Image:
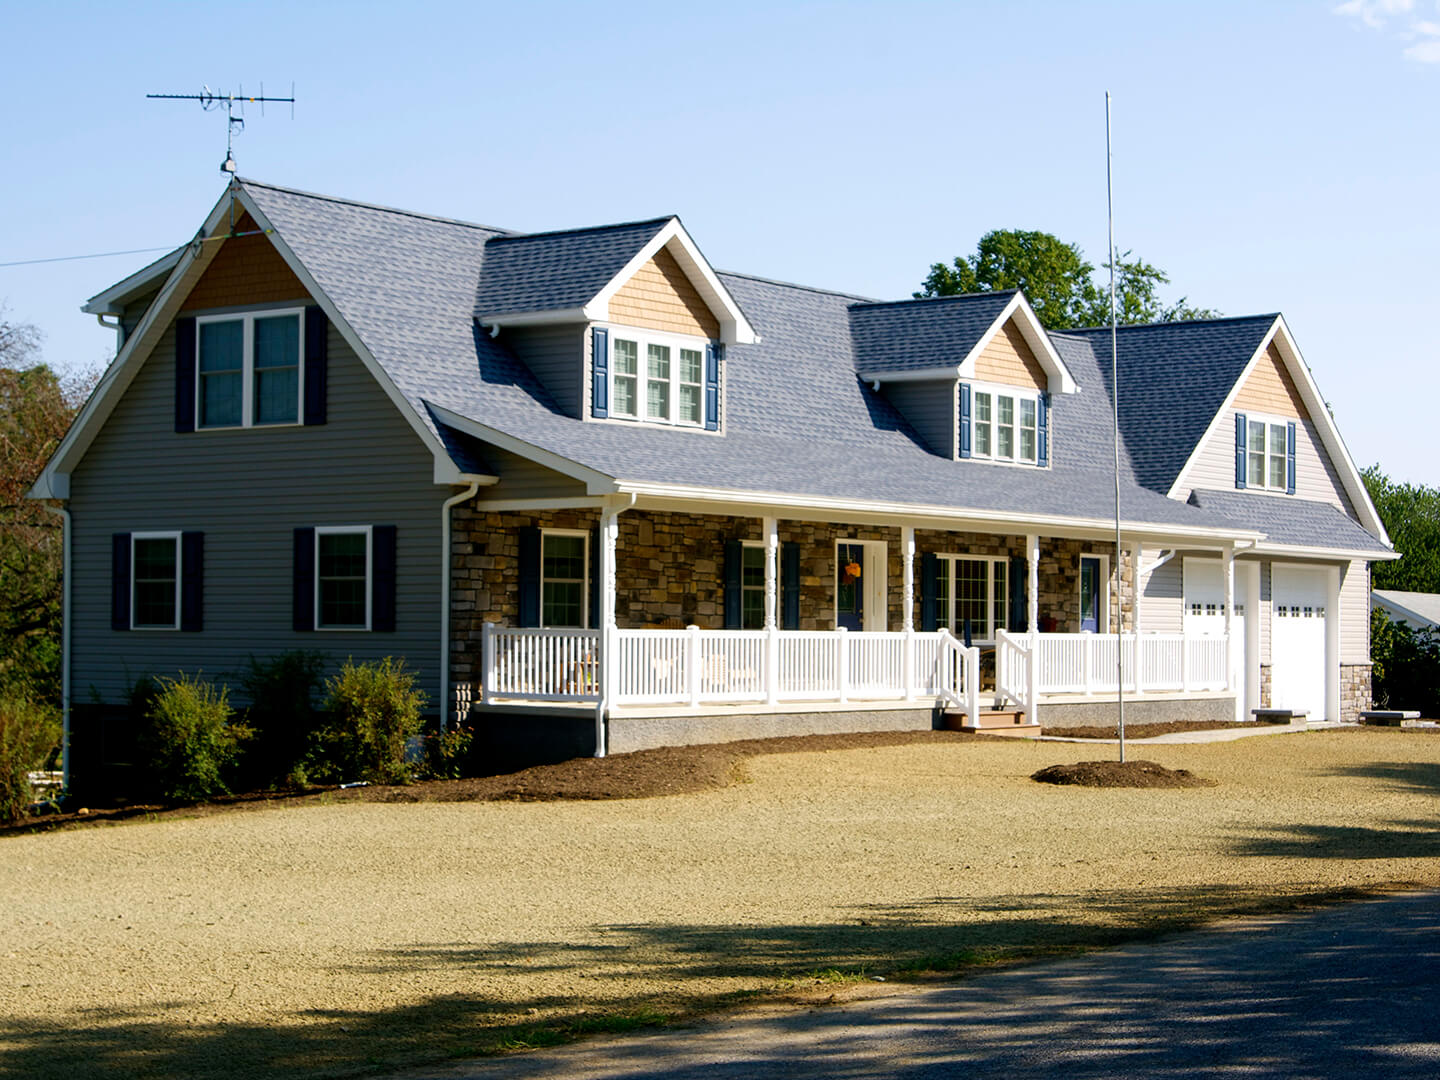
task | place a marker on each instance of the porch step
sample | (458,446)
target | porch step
(993,722)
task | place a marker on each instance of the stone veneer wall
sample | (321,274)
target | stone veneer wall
(1355,691)
(670,570)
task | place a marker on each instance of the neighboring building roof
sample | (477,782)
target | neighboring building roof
(556,271)
(921,335)
(1293,522)
(1418,609)
(1174,379)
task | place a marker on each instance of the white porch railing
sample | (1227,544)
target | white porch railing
(698,667)
(1085,663)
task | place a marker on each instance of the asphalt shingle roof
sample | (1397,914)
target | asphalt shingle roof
(558,270)
(1287,520)
(918,335)
(798,420)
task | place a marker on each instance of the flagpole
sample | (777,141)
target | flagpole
(1115,399)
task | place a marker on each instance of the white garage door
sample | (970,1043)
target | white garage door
(1297,639)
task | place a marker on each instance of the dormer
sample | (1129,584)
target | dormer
(620,323)
(973,374)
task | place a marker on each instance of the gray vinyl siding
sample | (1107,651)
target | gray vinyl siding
(1315,476)
(521,478)
(247,490)
(135,311)
(556,355)
(1162,603)
(1355,613)
(929,406)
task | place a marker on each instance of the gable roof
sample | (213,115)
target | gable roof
(941,337)
(1419,609)
(1291,522)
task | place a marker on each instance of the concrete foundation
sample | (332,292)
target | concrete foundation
(631,733)
(1137,711)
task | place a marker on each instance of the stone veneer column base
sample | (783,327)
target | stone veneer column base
(1355,691)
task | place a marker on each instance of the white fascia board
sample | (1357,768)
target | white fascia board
(596,483)
(1000,520)
(1348,554)
(112,300)
(1060,379)
(535,318)
(735,329)
(921,375)
(1279,334)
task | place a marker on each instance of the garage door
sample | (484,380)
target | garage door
(1297,639)
(1205,610)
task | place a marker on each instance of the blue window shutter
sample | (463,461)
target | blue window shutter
(1240,449)
(382,578)
(1290,458)
(1042,430)
(600,374)
(302,597)
(529,575)
(120,581)
(929,586)
(192,581)
(1019,594)
(790,586)
(316,365)
(184,376)
(595,577)
(734,617)
(964,420)
(712,387)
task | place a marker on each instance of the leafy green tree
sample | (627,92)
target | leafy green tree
(1058,281)
(1411,513)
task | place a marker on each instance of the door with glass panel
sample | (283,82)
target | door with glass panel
(972,596)
(1091,595)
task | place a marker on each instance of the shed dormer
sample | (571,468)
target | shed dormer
(972,374)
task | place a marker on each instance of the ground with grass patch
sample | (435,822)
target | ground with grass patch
(329,937)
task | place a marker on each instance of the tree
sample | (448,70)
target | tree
(1058,281)
(36,408)
(1411,514)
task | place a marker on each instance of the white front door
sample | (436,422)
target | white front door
(1297,638)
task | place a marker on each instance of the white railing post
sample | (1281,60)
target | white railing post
(1032,679)
(907,608)
(487,659)
(692,664)
(1184,661)
(972,684)
(1087,661)
(772,665)
(842,662)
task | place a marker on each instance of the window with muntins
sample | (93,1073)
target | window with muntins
(973,590)
(342,578)
(249,369)
(1265,454)
(672,387)
(1005,425)
(564,578)
(752,587)
(155,581)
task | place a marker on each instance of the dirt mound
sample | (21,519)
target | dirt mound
(1141,774)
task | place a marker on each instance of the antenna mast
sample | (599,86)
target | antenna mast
(234,125)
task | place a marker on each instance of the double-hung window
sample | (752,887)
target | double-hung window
(1266,454)
(658,378)
(342,578)
(1005,424)
(249,369)
(564,578)
(972,590)
(155,581)
(752,586)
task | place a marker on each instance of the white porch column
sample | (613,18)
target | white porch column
(609,639)
(1229,626)
(907,607)
(1135,589)
(1032,562)
(1332,644)
(771,528)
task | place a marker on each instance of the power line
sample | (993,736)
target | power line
(97,255)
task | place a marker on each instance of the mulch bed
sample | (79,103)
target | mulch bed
(671,770)
(1112,774)
(1147,731)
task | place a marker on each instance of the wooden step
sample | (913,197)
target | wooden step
(993,722)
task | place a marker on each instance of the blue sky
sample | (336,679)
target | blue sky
(1269,157)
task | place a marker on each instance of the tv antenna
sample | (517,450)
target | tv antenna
(234,125)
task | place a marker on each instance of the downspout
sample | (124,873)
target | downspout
(445,562)
(65,527)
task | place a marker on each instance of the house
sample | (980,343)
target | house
(603,497)
(1417,610)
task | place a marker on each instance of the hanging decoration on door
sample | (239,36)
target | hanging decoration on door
(852,573)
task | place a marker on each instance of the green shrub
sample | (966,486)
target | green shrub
(1406,674)
(447,753)
(372,713)
(29,735)
(282,716)
(188,740)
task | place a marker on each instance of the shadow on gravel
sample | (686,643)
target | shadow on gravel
(801,963)
(1421,777)
(1399,840)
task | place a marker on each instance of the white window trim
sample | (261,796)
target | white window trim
(584,576)
(247,369)
(873,575)
(1018,394)
(757,545)
(675,342)
(1102,616)
(987,638)
(1270,420)
(347,530)
(179,575)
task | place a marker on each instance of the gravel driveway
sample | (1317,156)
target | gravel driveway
(330,938)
